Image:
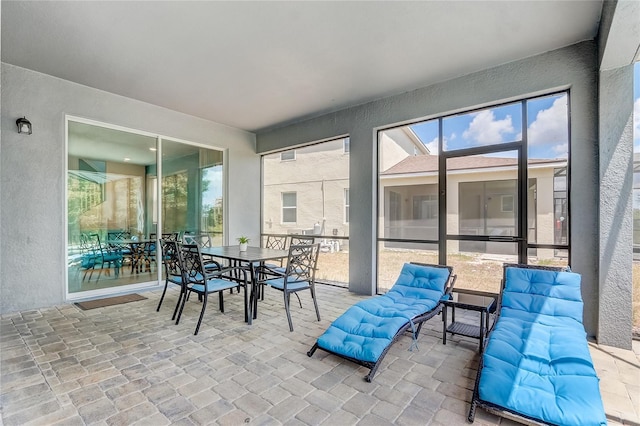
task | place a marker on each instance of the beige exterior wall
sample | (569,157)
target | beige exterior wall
(394,147)
(425,184)
(317,169)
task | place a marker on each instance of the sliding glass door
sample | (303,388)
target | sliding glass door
(192,190)
(117,210)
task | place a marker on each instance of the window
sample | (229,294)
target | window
(500,173)
(289,207)
(346,146)
(288,155)
(507,203)
(346,205)
(425,207)
(394,206)
(310,196)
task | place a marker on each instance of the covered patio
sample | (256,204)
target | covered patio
(127,364)
(235,82)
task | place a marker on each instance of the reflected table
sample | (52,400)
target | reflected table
(141,251)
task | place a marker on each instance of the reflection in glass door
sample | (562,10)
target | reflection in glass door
(108,237)
(192,191)
(117,211)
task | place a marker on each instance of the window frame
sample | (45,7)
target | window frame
(290,151)
(525,165)
(502,200)
(346,206)
(294,207)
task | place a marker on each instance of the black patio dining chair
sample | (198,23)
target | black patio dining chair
(282,243)
(170,252)
(196,278)
(299,275)
(275,242)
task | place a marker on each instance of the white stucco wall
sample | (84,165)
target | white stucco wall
(32,186)
(573,68)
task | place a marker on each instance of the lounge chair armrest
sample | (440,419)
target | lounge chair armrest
(448,289)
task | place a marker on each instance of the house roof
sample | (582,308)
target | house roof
(429,163)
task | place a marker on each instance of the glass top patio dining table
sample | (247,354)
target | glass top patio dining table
(253,256)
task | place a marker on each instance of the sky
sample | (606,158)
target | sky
(547,126)
(546,123)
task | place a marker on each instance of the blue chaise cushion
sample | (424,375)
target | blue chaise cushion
(368,327)
(537,361)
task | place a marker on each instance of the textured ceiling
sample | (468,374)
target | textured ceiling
(258,65)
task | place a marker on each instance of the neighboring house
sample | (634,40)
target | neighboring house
(306,190)
(481,200)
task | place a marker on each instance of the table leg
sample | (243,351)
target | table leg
(444,325)
(482,330)
(251,311)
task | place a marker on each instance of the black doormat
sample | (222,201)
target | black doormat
(109,301)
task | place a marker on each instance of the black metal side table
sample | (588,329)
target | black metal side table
(478,301)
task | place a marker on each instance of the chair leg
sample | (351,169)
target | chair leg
(315,302)
(180,297)
(204,306)
(162,297)
(286,308)
(221,299)
(299,301)
(246,304)
(184,300)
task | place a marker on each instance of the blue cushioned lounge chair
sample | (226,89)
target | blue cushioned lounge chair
(536,367)
(366,331)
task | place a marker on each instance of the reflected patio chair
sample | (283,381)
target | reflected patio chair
(172,261)
(202,239)
(299,275)
(96,255)
(197,279)
(115,241)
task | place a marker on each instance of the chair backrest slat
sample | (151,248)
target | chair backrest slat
(202,240)
(301,263)
(171,257)
(193,267)
(276,242)
(296,240)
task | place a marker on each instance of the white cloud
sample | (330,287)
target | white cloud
(485,129)
(561,150)
(550,125)
(432,146)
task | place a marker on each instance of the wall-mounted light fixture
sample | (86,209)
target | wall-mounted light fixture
(24,125)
